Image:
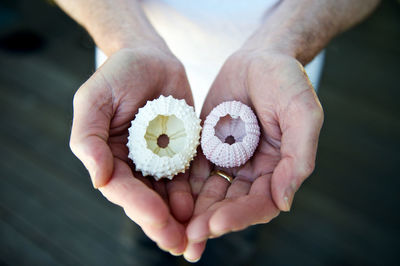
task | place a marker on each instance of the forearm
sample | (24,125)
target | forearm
(113,24)
(301,28)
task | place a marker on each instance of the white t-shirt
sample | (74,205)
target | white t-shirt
(203,34)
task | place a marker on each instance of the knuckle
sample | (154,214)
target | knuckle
(73,145)
(177,68)
(317,112)
(313,111)
(82,94)
(306,169)
(76,95)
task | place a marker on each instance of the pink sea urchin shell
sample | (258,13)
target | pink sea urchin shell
(230,134)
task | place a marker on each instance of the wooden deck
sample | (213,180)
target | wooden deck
(345,214)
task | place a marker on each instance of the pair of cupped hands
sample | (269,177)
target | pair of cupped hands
(180,215)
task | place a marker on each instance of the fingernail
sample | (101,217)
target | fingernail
(162,248)
(289,195)
(176,254)
(191,260)
(93,179)
(196,237)
(92,175)
(95,185)
(171,251)
(216,235)
(288,203)
(179,250)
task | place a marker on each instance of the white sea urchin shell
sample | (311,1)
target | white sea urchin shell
(230,134)
(163,137)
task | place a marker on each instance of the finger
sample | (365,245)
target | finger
(213,191)
(138,175)
(257,207)
(239,187)
(180,197)
(118,146)
(89,133)
(161,189)
(169,237)
(300,126)
(145,207)
(194,251)
(199,172)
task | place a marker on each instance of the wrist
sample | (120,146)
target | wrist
(137,44)
(114,24)
(299,29)
(302,28)
(302,47)
(112,39)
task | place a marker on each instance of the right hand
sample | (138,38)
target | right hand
(103,109)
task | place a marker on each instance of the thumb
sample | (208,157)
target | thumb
(300,127)
(89,134)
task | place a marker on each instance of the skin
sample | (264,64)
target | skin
(103,109)
(266,73)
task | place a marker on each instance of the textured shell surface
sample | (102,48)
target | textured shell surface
(230,134)
(163,137)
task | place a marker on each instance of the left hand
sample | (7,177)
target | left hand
(290,116)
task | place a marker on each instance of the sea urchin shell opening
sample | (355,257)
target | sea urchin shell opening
(230,140)
(163,141)
(230,130)
(165,135)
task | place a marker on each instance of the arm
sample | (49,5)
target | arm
(302,28)
(267,74)
(113,24)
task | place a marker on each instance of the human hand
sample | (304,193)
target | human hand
(103,109)
(277,88)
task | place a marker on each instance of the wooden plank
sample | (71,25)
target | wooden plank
(13,241)
(42,78)
(87,244)
(88,204)
(37,236)
(40,128)
(326,227)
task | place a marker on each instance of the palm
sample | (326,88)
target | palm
(276,88)
(103,110)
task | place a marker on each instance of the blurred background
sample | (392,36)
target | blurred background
(346,213)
